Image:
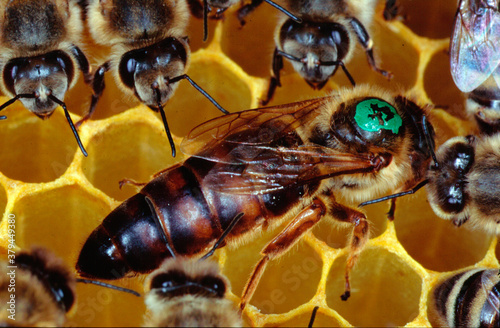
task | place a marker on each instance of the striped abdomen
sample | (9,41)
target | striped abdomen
(469,299)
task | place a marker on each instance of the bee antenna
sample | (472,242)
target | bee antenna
(70,121)
(283,10)
(11,101)
(224,234)
(197,87)
(404,193)
(164,119)
(341,64)
(288,56)
(103,284)
(429,142)
(205,20)
(313,316)
(326,63)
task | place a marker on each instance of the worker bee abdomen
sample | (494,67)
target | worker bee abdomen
(469,299)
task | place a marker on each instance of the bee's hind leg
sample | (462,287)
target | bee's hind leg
(302,223)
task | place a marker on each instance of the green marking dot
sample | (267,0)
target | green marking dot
(374,115)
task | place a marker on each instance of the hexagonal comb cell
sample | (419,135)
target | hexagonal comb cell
(289,281)
(35,150)
(303,319)
(44,220)
(188,107)
(395,271)
(431,19)
(256,53)
(385,290)
(435,243)
(133,149)
(447,95)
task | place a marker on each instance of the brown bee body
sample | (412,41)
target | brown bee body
(43,289)
(273,164)
(324,41)
(468,299)
(464,186)
(40,54)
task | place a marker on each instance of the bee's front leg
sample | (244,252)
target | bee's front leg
(302,223)
(358,240)
(274,81)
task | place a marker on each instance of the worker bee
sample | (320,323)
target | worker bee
(37,289)
(463,183)
(40,55)
(467,299)
(184,292)
(201,10)
(323,41)
(150,52)
(464,186)
(273,164)
(475,60)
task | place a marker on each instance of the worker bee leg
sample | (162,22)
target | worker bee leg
(275,79)
(391,10)
(196,8)
(83,64)
(245,10)
(97,88)
(313,316)
(392,210)
(367,44)
(131,182)
(302,223)
(358,240)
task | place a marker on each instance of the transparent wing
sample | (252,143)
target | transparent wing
(490,280)
(259,151)
(259,126)
(275,169)
(475,43)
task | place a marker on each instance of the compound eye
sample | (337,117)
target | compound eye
(461,157)
(215,284)
(61,62)
(127,70)
(10,75)
(166,281)
(63,294)
(455,199)
(462,162)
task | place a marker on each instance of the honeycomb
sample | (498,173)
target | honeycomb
(58,196)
